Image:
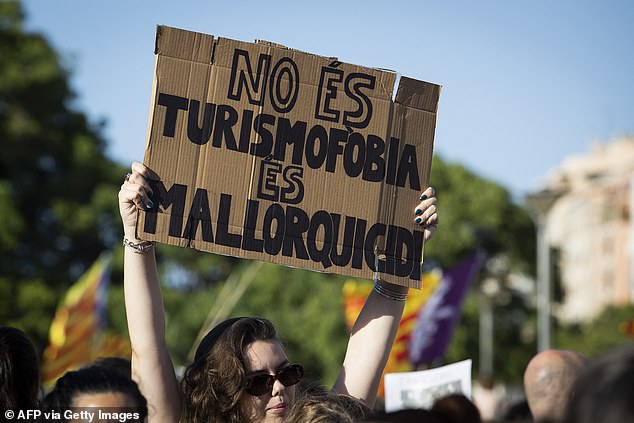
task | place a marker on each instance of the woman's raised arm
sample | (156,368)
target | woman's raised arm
(152,367)
(374,331)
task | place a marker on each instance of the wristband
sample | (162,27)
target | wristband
(389,293)
(138,247)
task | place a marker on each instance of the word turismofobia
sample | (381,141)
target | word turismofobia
(274,154)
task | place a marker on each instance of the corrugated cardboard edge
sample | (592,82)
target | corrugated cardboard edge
(424,96)
(283,47)
(183,44)
(418,94)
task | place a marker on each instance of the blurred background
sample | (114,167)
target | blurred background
(534,170)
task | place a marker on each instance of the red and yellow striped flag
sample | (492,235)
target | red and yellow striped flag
(355,294)
(77,335)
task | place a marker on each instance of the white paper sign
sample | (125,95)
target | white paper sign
(420,389)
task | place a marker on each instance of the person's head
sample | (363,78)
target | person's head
(328,408)
(548,380)
(518,413)
(417,415)
(19,374)
(119,364)
(604,392)
(457,408)
(240,373)
(96,387)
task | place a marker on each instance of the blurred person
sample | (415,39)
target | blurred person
(95,388)
(327,408)
(456,408)
(19,371)
(241,372)
(518,412)
(604,392)
(548,381)
(488,396)
(417,415)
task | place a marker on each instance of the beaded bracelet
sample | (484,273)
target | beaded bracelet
(138,247)
(389,294)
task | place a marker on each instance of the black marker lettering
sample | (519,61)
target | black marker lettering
(342,259)
(249,240)
(408,167)
(273,242)
(223,236)
(321,218)
(317,135)
(174,104)
(361,117)
(197,134)
(296,225)
(226,118)
(199,213)
(242,76)
(174,198)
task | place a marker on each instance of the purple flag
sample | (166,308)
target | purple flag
(438,318)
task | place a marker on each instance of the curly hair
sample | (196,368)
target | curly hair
(328,408)
(19,374)
(213,383)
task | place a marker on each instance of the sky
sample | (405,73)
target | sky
(525,83)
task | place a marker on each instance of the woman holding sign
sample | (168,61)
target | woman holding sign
(241,372)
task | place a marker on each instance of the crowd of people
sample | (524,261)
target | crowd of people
(242,374)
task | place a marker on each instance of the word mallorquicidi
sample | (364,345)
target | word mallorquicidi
(288,231)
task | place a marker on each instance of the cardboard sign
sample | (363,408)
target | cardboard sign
(273,154)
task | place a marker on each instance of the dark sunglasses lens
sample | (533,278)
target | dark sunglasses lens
(291,375)
(258,385)
(288,376)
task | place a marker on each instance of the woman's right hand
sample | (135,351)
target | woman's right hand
(133,195)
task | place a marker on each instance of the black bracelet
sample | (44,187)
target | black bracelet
(389,294)
(138,247)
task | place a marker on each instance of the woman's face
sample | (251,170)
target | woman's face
(267,357)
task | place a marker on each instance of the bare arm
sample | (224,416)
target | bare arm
(152,367)
(374,331)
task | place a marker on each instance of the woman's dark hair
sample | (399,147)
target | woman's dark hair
(118,364)
(604,392)
(19,370)
(213,383)
(93,379)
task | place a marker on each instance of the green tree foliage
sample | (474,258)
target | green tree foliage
(607,331)
(57,187)
(478,213)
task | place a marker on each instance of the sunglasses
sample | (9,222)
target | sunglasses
(261,384)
